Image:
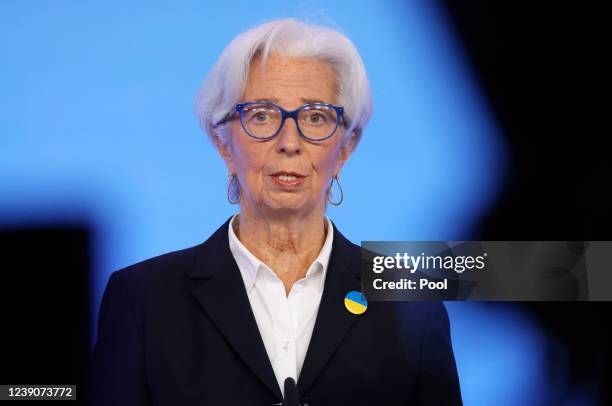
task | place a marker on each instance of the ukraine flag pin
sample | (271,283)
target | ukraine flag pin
(355,302)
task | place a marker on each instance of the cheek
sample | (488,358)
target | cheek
(246,154)
(326,162)
(250,160)
(324,166)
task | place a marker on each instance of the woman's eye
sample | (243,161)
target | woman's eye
(260,116)
(316,118)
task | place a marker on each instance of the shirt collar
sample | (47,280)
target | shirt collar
(249,265)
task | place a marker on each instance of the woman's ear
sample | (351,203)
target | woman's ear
(225,150)
(346,149)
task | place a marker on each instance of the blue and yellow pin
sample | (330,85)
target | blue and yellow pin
(355,302)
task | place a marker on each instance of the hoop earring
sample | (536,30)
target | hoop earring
(231,178)
(338,203)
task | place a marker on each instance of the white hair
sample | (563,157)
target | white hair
(226,83)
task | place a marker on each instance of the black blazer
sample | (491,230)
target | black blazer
(178,330)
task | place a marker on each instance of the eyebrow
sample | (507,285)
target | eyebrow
(304,100)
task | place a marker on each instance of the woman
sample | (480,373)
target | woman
(262,300)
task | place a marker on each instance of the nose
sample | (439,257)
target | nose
(288,140)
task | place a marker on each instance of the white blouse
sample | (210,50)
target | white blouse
(285,322)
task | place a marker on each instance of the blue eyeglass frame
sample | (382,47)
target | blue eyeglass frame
(239,108)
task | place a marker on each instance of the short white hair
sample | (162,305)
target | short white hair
(226,82)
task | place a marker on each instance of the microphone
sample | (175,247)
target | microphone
(292,397)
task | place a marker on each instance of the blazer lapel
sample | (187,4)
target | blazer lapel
(218,287)
(333,319)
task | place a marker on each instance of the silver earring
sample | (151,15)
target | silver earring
(338,203)
(231,179)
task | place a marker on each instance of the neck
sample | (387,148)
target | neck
(288,244)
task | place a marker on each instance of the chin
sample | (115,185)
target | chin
(287,206)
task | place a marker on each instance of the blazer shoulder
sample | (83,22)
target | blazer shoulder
(426,311)
(347,249)
(424,318)
(173,266)
(170,265)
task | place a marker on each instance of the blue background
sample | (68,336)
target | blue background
(97,125)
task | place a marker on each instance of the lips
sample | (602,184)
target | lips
(295,174)
(287,179)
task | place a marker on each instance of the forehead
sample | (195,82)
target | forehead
(291,80)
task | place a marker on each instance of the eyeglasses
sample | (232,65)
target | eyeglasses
(263,120)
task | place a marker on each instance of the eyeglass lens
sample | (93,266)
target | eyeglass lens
(264,120)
